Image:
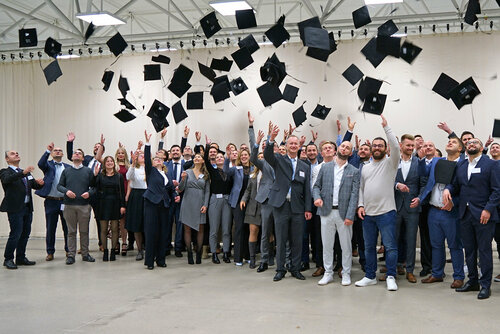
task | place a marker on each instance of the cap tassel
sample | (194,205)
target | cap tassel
(472,113)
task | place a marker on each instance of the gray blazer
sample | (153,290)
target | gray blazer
(348,191)
(249,196)
(267,180)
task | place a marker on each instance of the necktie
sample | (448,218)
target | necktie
(58,163)
(293,168)
(175,170)
(19,170)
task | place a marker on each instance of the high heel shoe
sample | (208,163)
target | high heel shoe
(105,255)
(198,257)
(215,258)
(190,258)
(112,257)
(124,249)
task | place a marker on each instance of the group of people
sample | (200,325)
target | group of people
(285,200)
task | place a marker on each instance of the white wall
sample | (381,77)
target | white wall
(33,114)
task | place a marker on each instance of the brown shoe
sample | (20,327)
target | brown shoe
(382,278)
(383,270)
(401,270)
(411,278)
(381,250)
(320,271)
(355,253)
(432,279)
(458,283)
(339,272)
(49,257)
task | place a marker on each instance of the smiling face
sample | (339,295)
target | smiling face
(364,152)
(379,150)
(121,155)
(407,146)
(429,149)
(109,163)
(219,159)
(474,146)
(175,153)
(292,145)
(282,149)
(495,151)
(244,157)
(312,152)
(212,153)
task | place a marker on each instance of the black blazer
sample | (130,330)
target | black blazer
(157,191)
(15,192)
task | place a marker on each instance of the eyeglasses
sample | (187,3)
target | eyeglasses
(474,142)
(378,145)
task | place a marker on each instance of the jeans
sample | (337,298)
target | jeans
(20,229)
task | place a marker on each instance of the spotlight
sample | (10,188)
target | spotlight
(205,42)
(39,54)
(100,50)
(144,47)
(491,24)
(3,57)
(340,33)
(420,29)
(447,27)
(462,26)
(168,45)
(216,41)
(12,56)
(433,28)
(365,32)
(193,43)
(239,39)
(477,25)
(32,55)
(70,52)
(406,30)
(21,55)
(181,44)
(132,47)
(264,38)
(352,33)
(80,52)
(157,45)
(90,51)
(228,41)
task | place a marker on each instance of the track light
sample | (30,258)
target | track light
(144,47)
(491,24)
(21,55)
(216,41)
(181,44)
(157,45)
(365,32)
(228,41)
(340,33)
(70,52)
(477,25)
(39,54)
(12,56)
(132,47)
(205,42)
(193,43)
(462,26)
(32,55)
(3,57)
(447,27)
(433,28)
(420,29)
(90,51)
(168,45)
(406,30)
(352,33)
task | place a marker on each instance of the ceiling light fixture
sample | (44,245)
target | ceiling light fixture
(228,7)
(381,2)
(101,18)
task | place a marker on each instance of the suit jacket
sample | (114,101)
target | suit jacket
(157,191)
(267,179)
(414,182)
(249,197)
(15,191)
(49,172)
(481,192)
(301,200)
(236,173)
(348,190)
(69,151)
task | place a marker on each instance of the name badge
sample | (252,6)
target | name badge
(239,167)
(30,177)
(476,170)
(62,207)
(302,174)
(201,176)
(219,196)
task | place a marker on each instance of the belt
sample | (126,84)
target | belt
(55,198)
(335,207)
(436,207)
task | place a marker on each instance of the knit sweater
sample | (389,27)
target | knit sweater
(79,181)
(376,189)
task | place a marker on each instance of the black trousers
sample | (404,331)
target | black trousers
(241,233)
(155,231)
(425,240)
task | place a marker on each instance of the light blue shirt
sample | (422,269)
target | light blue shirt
(53,190)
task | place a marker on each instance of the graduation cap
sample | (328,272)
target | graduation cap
(245,18)
(27,37)
(321,112)
(312,22)
(372,55)
(52,72)
(277,34)
(222,79)
(52,47)
(179,84)
(90,30)
(250,43)
(117,44)
(159,124)
(242,58)
(123,86)
(195,100)
(273,71)
(158,110)
(269,94)
(107,77)
(152,72)
(223,64)
(206,71)
(444,170)
(353,74)
(299,116)
(126,103)
(387,29)
(473,8)
(290,93)
(368,85)
(374,103)
(321,54)
(220,91)
(210,24)
(182,73)
(464,93)
(361,17)
(238,86)
(317,38)
(389,45)
(444,85)
(161,59)
(124,115)
(409,52)
(179,112)
(496,126)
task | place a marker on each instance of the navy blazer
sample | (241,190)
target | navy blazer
(236,172)
(170,169)
(157,191)
(49,172)
(15,191)
(414,182)
(481,192)
(428,172)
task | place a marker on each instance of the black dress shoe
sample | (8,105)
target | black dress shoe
(25,262)
(215,258)
(298,275)
(485,293)
(168,253)
(151,267)
(225,257)
(262,267)
(425,272)
(88,258)
(9,264)
(304,266)
(70,260)
(279,276)
(178,254)
(468,287)
(161,264)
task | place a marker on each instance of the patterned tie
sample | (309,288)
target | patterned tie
(19,170)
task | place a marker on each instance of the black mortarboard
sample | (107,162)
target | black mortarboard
(220,91)
(124,115)
(317,38)
(299,116)
(353,74)
(444,85)
(290,93)
(371,53)
(152,72)
(496,124)
(52,72)
(159,123)
(210,24)
(245,18)
(178,112)
(273,70)
(238,86)
(223,64)
(368,85)
(222,79)
(90,30)
(312,22)
(250,43)
(123,86)
(126,103)
(107,77)
(207,72)
(269,94)
(473,8)
(161,59)
(179,88)
(195,100)
(27,37)
(52,47)
(387,29)
(409,52)
(117,44)
(389,45)
(277,34)
(321,54)
(182,73)
(361,17)
(464,93)
(444,170)
(374,103)
(158,110)
(242,57)
(321,111)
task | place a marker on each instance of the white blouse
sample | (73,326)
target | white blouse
(137,177)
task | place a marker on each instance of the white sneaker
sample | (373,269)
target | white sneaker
(365,281)
(239,264)
(391,283)
(346,279)
(327,278)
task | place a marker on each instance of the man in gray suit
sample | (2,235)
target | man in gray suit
(290,197)
(335,193)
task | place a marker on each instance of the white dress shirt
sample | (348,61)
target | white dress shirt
(338,172)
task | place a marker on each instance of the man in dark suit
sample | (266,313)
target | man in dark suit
(290,197)
(18,203)
(477,182)
(53,203)
(175,167)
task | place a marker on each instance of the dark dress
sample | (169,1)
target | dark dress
(111,196)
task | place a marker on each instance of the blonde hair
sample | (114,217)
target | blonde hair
(238,159)
(126,160)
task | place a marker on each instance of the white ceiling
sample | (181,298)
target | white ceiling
(162,21)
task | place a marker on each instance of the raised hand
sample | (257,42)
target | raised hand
(285,135)
(358,142)
(133,156)
(207,140)
(384,121)
(275,132)
(50,147)
(291,129)
(339,126)
(139,145)
(270,128)
(260,135)
(488,142)
(350,125)
(147,136)
(163,133)
(251,119)
(102,139)
(70,136)
(443,126)
(197,134)
(314,135)
(120,145)
(186,131)
(302,140)
(28,170)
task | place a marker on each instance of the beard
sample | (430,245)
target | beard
(342,156)
(378,155)
(472,151)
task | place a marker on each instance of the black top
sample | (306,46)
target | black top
(220,183)
(111,187)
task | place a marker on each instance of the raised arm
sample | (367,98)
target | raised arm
(100,150)
(393,142)
(69,145)
(269,155)
(148,166)
(254,156)
(43,162)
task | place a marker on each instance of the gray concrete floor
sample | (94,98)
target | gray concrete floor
(124,297)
